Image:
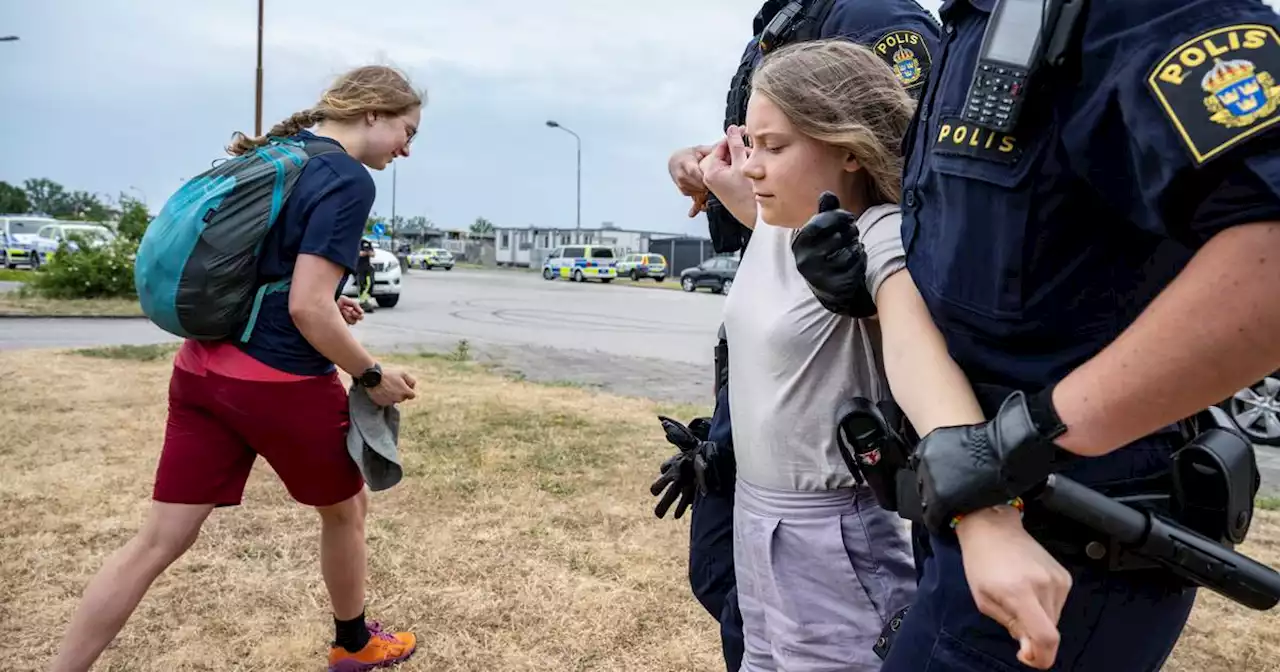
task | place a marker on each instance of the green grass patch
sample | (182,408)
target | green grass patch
(26,302)
(133,353)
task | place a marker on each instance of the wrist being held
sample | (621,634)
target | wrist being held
(964,469)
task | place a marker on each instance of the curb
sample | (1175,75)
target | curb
(71,316)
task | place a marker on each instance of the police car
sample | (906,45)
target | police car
(386,279)
(581,263)
(647,265)
(52,236)
(18,235)
(431,257)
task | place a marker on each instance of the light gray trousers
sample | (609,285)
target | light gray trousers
(819,574)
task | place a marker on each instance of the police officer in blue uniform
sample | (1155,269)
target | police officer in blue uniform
(1091,219)
(906,37)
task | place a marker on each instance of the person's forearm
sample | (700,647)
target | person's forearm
(1210,333)
(741,206)
(322,325)
(926,382)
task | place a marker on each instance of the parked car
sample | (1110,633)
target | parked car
(386,279)
(647,265)
(52,235)
(716,273)
(18,239)
(432,257)
(581,263)
(1256,410)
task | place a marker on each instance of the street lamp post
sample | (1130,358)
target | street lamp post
(554,124)
(257,105)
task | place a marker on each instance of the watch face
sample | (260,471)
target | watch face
(371,378)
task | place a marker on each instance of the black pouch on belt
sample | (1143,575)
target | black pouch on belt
(1215,478)
(721,362)
(871,441)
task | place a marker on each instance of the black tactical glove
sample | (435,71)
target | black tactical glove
(693,469)
(833,261)
(679,480)
(709,462)
(679,474)
(967,468)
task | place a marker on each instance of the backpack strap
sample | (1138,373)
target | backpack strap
(269,288)
(312,149)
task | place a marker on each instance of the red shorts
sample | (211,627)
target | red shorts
(218,426)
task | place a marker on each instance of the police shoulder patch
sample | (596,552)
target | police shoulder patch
(1218,88)
(907,53)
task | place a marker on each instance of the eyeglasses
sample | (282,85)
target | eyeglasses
(410,132)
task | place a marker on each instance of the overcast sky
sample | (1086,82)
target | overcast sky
(109,95)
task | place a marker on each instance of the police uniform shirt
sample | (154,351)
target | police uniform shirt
(1035,249)
(794,361)
(900,32)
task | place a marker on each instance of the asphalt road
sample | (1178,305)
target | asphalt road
(642,341)
(509,308)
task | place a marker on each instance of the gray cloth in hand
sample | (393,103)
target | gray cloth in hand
(372,439)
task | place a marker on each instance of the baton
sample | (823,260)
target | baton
(1178,549)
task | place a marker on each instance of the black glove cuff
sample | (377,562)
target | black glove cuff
(858,303)
(1026,453)
(1044,415)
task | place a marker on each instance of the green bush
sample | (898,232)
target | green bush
(89,272)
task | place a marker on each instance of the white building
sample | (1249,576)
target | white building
(531,245)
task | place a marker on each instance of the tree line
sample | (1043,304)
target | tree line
(45,197)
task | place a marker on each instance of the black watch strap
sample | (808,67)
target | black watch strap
(372,376)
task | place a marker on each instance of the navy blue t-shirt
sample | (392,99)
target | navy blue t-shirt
(325,215)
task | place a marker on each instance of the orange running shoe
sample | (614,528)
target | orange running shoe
(383,650)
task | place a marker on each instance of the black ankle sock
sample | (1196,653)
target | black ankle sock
(352,635)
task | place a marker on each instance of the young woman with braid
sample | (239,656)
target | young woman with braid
(279,394)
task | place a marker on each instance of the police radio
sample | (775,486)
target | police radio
(1021,37)
(779,24)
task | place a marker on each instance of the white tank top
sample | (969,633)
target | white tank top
(792,362)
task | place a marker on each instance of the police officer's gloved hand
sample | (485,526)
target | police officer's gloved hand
(833,260)
(677,475)
(679,481)
(967,468)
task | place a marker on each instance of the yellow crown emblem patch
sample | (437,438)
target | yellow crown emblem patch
(905,66)
(907,52)
(1226,73)
(1239,95)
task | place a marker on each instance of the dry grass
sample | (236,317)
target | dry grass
(522,537)
(14,304)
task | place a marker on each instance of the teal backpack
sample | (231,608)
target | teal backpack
(196,270)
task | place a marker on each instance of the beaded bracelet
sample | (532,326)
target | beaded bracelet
(1016,503)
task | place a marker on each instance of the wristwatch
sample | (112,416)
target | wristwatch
(371,377)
